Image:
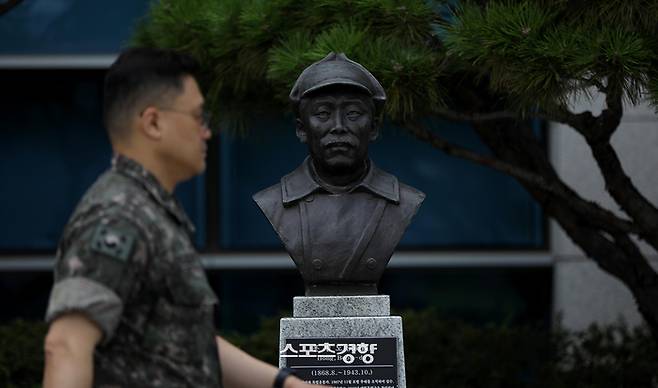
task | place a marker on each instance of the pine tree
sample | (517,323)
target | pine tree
(492,63)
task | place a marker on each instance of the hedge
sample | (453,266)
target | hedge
(439,353)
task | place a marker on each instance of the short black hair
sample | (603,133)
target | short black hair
(139,77)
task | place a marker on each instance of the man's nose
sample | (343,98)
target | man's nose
(339,124)
(206,133)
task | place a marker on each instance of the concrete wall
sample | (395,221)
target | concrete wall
(582,292)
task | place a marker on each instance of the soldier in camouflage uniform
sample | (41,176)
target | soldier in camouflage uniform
(131,305)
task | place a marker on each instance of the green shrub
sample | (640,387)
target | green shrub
(264,343)
(449,353)
(21,354)
(606,356)
(439,353)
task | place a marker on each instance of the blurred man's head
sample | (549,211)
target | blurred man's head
(154,112)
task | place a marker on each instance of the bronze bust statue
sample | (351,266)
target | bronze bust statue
(338,215)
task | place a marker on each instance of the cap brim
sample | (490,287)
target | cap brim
(337,81)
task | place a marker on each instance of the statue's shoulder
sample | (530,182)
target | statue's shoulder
(403,195)
(269,197)
(404,202)
(280,193)
(410,201)
(411,195)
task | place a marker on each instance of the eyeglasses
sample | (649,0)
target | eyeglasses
(202,119)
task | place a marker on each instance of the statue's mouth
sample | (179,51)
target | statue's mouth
(339,145)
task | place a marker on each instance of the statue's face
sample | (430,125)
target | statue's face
(337,125)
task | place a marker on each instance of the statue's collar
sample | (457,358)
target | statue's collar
(300,183)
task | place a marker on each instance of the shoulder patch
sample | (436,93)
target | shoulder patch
(113,241)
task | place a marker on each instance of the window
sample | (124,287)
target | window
(53,147)
(467,206)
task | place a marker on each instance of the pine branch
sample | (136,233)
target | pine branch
(620,257)
(423,133)
(475,117)
(9,5)
(612,250)
(561,116)
(602,249)
(600,86)
(574,120)
(617,181)
(590,210)
(644,274)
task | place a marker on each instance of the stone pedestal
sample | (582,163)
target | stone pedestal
(344,341)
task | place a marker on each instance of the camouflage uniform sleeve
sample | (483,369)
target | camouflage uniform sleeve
(96,271)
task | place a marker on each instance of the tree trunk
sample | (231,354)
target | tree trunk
(615,252)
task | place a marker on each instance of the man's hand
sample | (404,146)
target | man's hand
(69,349)
(241,370)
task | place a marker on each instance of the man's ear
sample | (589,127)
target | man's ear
(374,131)
(149,124)
(300,130)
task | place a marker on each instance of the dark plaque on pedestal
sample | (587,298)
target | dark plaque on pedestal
(344,362)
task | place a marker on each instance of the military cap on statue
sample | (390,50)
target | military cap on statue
(337,69)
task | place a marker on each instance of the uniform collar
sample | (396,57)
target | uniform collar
(300,183)
(130,168)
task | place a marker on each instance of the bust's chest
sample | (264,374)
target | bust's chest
(333,224)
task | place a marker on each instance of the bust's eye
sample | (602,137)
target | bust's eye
(353,114)
(322,114)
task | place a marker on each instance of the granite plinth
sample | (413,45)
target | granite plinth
(341,306)
(344,317)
